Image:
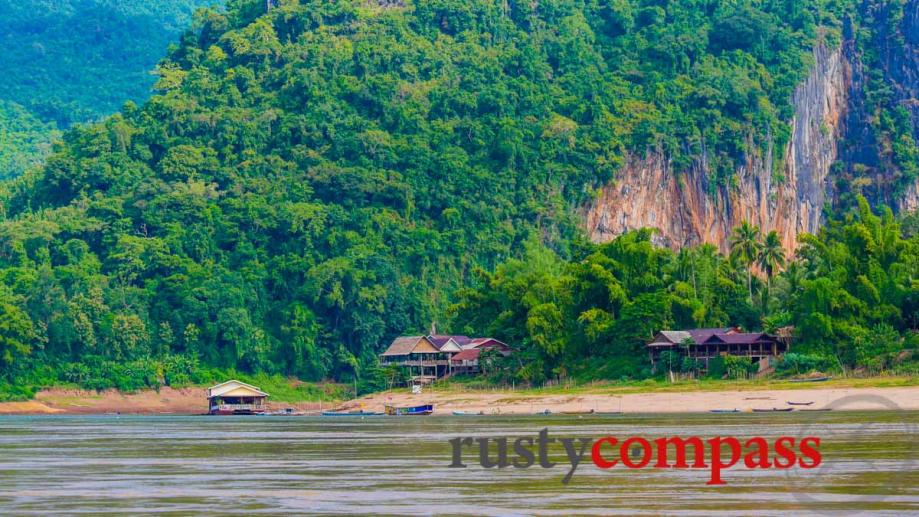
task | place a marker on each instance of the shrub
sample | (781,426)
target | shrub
(716,368)
(739,367)
(795,364)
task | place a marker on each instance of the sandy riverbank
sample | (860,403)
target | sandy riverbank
(186,401)
(192,401)
(509,402)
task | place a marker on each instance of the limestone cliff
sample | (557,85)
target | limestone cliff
(909,199)
(683,206)
(884,51)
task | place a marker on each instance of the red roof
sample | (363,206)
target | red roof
(470,354)
(485,342)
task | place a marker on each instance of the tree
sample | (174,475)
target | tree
(771,257)
(16,333)
(745,249)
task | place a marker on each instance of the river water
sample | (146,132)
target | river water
(399,465)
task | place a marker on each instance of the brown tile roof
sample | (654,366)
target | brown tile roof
(402,345)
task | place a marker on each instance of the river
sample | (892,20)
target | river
(399,466)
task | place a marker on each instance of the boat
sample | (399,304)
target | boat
(544,412)
(423,410)
(724,411)
(285,412)
(351,413)
(468,413)
(775,409)
(811,379)
(817,409)
(790,403)
(590,412)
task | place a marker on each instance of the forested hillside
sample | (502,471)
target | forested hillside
(310,182)
(69,61)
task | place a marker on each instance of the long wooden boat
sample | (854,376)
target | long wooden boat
(588,412)
(817,409)
(468,413)
(351,413)
(813,379)
(424,410)
(775,409)
(724,411)
(790,403)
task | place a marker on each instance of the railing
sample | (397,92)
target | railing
(235,407)
(433,362)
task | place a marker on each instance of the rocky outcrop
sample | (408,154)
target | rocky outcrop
(909,199)
(687,210)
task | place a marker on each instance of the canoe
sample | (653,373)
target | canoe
(815,379)
(578,412)
(783,410)
(724,411)
(817,409)
(800,403)
(424,410)
(468,413)
(350,413)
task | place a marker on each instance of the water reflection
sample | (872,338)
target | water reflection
(252,465)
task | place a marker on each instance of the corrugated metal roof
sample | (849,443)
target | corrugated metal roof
(227,387)
(739,339)
(469,354)
(485,341)
(440,340)
(695,335)
(676,336)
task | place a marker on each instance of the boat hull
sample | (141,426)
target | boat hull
(356,413)
(410,411)
(231,412)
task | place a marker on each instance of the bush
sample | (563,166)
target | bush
(716,368)
(796,364)
(739,367)
(15,392)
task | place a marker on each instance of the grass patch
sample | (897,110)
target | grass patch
(284,389)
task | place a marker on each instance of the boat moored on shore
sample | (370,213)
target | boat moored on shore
(422,410)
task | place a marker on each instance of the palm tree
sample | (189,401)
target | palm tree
(771,257)
(745,249)
(771,254)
